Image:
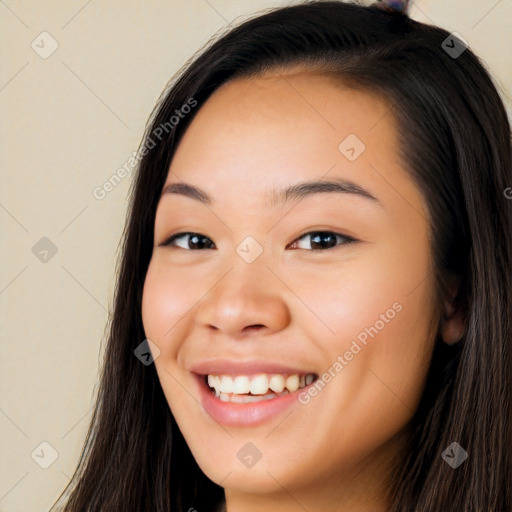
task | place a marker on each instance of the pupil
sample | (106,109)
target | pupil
(315,240)
(194,240)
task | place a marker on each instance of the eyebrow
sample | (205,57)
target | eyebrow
(280,196)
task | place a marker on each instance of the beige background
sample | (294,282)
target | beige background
(68,122)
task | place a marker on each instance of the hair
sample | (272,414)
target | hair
(454,140)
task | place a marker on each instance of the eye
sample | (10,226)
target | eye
(322,240)
(194,242)
(319,240)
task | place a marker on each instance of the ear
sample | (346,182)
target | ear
(453,318)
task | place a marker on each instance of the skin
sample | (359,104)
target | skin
(252,135)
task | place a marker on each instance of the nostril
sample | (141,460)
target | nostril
(256,326)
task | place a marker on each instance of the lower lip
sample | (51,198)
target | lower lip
(244,415)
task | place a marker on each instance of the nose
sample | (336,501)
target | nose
(249,298)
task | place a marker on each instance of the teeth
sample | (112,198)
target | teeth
(292,383)
(226,384)
(245,399)
(241,385)
(261,386)
(276,383)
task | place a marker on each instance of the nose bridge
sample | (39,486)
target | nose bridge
(248,296)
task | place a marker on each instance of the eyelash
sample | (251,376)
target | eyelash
(347,240)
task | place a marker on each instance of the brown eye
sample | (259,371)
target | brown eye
(322,240)
(195,242)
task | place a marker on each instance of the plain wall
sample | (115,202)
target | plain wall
(68,122)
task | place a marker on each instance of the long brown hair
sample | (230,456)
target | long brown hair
(455,142)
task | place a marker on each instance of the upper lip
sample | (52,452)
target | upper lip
(226,366)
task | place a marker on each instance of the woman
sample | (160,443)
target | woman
(317,260)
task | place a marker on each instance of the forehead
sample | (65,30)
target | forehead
(273,123)
(322,99)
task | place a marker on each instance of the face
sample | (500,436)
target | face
(324,288)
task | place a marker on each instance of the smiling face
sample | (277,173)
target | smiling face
(323,282)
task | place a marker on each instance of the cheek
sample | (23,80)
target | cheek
(376,313)
(167,298)
(362,293)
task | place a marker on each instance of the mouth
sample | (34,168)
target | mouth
(244,389)
(250,400)
(248,393)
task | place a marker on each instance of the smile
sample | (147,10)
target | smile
(256,388)
(248,394)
